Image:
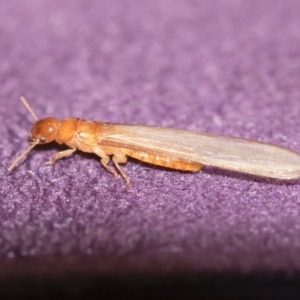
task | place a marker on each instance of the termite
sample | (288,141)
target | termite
(172,148)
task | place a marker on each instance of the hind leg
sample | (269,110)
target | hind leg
(120,158)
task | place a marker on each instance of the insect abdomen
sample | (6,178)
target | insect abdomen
(164,161)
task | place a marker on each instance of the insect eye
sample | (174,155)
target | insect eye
(42,140)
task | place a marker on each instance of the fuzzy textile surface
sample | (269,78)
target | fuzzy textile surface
(229,67)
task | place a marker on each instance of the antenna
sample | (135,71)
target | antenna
(29,108)
(18,158)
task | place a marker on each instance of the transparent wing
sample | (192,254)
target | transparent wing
(237,154)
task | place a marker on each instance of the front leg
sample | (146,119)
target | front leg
(60,154)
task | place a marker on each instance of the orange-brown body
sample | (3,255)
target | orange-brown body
(172,148)
(90,136)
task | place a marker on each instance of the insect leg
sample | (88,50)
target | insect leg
(104,161)
(59,155)
(117,157)
(120,158)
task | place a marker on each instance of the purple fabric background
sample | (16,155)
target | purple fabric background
(230,67)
